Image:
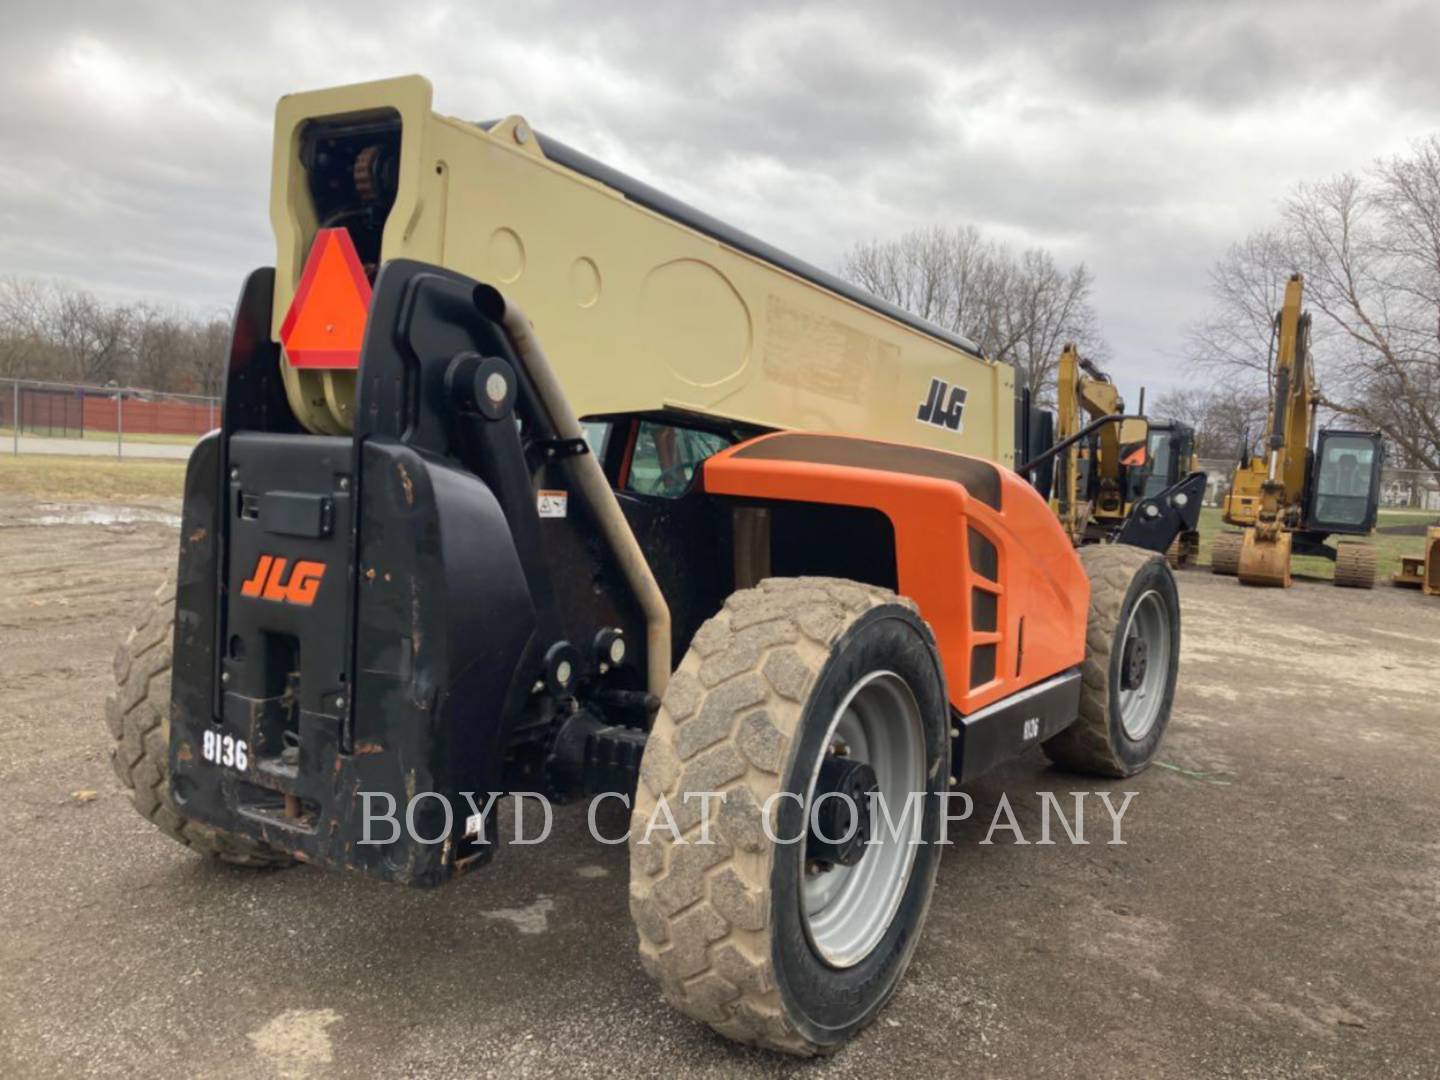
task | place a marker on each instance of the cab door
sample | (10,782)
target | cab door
(1345,482)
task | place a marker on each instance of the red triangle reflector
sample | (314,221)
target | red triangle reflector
(325,325)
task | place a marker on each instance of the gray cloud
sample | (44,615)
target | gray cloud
(1139,137)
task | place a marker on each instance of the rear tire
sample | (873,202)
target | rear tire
(1354,565)
(138,715)
(748,935)
(1225,555)
(1127,688)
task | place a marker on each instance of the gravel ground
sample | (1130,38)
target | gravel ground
(1275,912)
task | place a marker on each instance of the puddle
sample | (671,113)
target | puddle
(46,514)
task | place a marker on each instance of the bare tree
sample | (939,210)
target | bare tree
(90,337)
(1228,419)
(1043,308)
(1372,249)
(57,333)
(199,364)
(1018,308)
(1248,286)
(1369,246)
(22,337)
(156,344)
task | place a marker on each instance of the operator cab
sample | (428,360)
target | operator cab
(1345,482)
(1169,448)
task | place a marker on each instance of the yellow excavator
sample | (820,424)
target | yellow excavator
(1297,495)
(1122,474)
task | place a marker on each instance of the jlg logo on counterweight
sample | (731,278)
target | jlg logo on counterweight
(269,582)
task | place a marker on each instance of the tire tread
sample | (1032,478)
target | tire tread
(137,714)
(702,914)
(1086,745)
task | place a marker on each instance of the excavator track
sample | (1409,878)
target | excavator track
(1355,565)
(1225,556)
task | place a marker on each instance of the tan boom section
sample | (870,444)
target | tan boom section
(638,310)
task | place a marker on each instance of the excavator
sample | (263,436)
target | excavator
(1296,495)
(1119,474)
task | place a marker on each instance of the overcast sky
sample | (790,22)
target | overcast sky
(1141,138)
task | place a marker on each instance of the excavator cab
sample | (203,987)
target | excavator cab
(1345,482)
(1169,448)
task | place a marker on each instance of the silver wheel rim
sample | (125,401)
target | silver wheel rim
(1140,705)
(847,909)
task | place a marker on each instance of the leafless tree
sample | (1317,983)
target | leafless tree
(1369,245)
(1227,419)
(57,333)
(22,336)
(91,337)
(199,363)
(1018,308)
(157,342)
(1235,339)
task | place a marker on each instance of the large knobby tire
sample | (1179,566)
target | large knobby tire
(753,937)
(138,715)
(1225,555)
(1126,690)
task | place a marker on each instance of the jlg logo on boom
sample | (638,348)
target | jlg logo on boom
(944,405)
(269,581)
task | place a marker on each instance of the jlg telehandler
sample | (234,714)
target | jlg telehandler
(1295,496)
(736,527)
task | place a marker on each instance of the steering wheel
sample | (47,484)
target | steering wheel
(672,480)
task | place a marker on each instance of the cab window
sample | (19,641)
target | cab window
(666,457)
(1345,468)
(1342,488)
(1161,455)
(597,436)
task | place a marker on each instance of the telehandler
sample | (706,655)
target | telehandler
(1297,495)
(1122,476)
(735,527)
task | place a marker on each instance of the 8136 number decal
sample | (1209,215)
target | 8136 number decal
(225,750)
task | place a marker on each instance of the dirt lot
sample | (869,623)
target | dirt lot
(1276,911)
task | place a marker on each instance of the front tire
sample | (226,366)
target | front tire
(791,684)
(1132,662)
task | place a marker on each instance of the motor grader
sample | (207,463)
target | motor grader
(1122,478)
(1311,483)
(531,478)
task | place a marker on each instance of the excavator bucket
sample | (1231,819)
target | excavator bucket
(1265,561)
(1432,562)
(1423,572)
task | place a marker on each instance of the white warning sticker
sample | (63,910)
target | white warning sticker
(551,504)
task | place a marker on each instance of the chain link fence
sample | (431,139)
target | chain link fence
(1409,489)
(101,421)
(1400,489)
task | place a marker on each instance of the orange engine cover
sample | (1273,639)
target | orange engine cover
(976,548)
